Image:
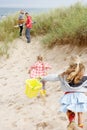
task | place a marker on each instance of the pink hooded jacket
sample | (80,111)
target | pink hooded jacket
(29,22)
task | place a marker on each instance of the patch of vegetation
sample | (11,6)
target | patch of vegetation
(59,26)
(7,32)
(63,26)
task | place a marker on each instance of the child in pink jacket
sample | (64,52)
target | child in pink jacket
(39,69)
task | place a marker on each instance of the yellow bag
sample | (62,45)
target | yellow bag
(33,87)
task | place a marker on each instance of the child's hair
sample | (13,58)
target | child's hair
(75,71)
(39,58)
(26,13)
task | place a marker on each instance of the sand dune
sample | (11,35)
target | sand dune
(17,111)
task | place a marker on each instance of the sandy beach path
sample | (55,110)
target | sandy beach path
(17,111)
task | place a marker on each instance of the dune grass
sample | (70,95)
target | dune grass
(7,32)
(59,26)
(63,26)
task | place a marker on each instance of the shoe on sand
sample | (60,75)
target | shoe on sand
(73,126)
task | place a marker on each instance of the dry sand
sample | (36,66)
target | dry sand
(17,111)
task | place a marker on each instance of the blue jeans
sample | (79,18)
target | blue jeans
(27,34)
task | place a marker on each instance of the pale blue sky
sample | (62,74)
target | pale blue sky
(39,3)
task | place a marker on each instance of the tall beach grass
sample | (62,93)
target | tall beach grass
(59,26)
(63,26)
(7,32)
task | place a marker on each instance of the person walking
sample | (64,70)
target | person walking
(74,85)
(39,69)
(28,25)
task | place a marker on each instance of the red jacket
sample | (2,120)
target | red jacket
(29,22)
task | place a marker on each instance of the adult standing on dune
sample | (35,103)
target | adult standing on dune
(21,21)
(28,25)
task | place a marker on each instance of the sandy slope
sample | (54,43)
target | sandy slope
(18,112)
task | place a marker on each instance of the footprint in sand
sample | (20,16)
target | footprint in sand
(14,124)
(4,84)
(11,104)
(63,118)
(18,108)
(42,125)
(2,77)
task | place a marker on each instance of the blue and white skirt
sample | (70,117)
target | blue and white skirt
(76,102)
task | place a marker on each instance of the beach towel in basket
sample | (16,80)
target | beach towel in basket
(33,87)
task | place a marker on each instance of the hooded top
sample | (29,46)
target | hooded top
(29,22)
(65,86)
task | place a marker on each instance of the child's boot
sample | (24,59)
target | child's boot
(80,125)
(43,92)
(71,116)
